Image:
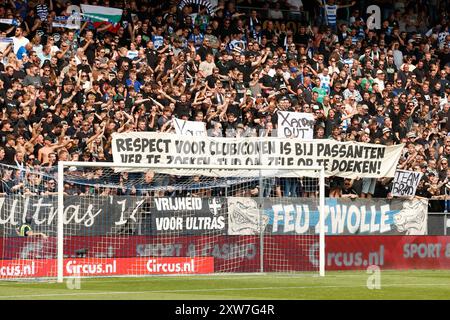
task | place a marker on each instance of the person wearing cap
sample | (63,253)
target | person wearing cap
(411,136)
(380,80)
(240,130)
(386,138)
(363,115)
(282,88)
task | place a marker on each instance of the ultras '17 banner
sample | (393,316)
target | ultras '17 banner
(343,159)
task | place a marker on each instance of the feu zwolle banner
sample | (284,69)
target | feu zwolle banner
(341,216)
(405,183)
(295,125)
(343,159)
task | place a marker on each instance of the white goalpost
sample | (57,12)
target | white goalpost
(107,219)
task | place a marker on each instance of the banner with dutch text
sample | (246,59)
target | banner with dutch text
(343,159)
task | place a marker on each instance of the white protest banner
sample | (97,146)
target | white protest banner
(344,159)
(405,183)
(295,125)
(189,128)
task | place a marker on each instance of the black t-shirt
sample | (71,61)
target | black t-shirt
(423,192)
(267,81)
(10,153)
(48,127)
(182,108)
(152,57)
(3,135)
(351,190)
(41,105)
(202,51)
(234,109)
(11,104)
(7,80)
(115,82)
(246,70)
(391,70)
(146,36)
(301,39)
(211,80)
(224,32)
(223,67)
(294,83)
(230,127)
(90,51)
(268,33)
(6,185)
(19,74)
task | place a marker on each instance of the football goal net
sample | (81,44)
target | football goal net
(103,219)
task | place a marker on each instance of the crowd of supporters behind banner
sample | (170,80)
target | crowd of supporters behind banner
(232,65)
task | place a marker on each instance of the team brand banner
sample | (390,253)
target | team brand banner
(344,159)
(405,183)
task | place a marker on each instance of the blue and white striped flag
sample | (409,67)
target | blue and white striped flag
(6,39)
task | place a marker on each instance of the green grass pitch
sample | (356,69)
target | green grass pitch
(414,284)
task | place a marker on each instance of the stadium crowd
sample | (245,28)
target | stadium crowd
(232,65)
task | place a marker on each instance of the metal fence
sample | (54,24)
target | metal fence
(438,223)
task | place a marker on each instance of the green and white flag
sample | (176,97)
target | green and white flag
(100,14)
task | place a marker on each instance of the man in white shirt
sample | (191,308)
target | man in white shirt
(206,67)
(19,40)
(351,91)
(325,80)
(295,5)
(380,80)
